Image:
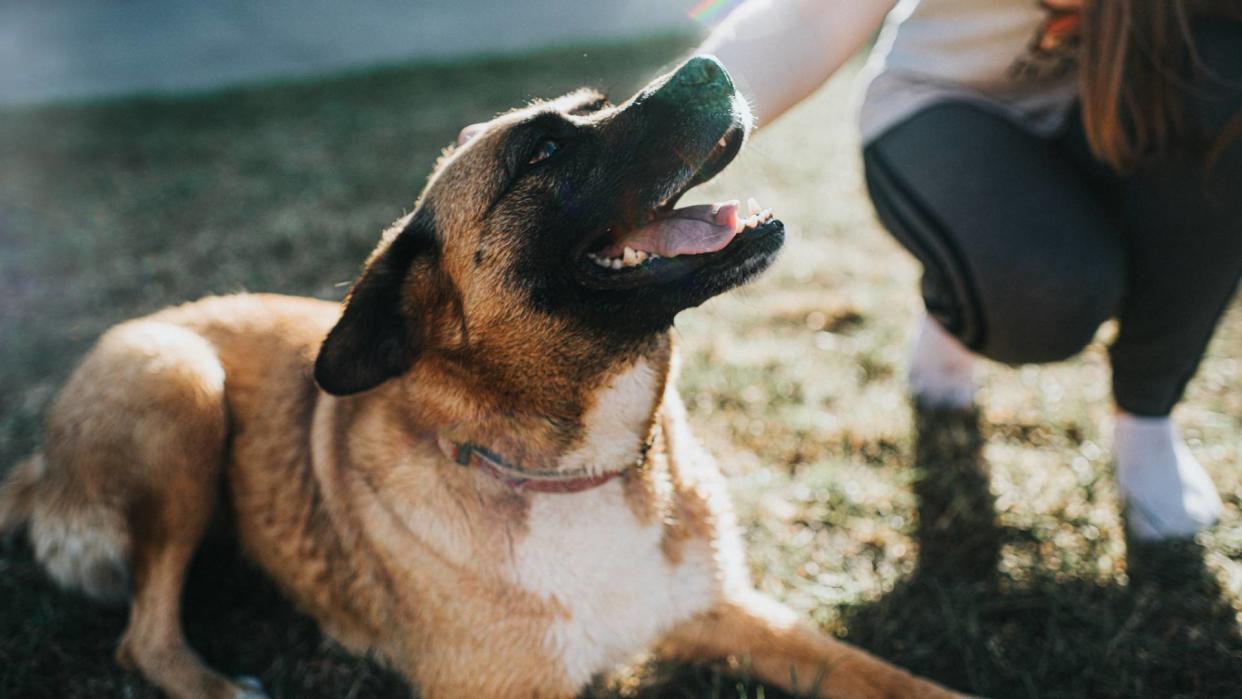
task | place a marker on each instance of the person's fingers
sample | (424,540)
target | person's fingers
(470,132)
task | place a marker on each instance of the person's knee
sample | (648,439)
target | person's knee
(1038,321)
(1031,317)
(1052,331)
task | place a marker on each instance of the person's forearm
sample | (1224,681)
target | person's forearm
(780,51)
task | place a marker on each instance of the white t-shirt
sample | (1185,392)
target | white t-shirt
(1015,57)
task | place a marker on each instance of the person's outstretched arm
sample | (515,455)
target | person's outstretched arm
(780,51)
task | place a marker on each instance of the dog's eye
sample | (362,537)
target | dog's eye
(546,149)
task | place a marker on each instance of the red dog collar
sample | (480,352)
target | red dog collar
(527,480)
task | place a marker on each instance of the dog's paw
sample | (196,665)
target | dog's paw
(249,688)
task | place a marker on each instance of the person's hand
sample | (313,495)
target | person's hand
(778,52)
(470,132)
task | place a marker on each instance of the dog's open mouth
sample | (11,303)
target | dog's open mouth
(668,242)
(690,230)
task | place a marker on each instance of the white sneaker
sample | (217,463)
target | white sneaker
(1167,492)
(942,370)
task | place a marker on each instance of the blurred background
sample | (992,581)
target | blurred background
(152,152)
(71,49)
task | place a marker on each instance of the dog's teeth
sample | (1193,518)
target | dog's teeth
(722,142)
(753,206)
(615,263)
(641,255)
(629,258)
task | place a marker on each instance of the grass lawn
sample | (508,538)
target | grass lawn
(983,550)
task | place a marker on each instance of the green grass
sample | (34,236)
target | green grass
(984,550)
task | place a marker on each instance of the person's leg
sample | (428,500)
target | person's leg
(1183,233)
(942,370)
(1020,262)
(1168,493)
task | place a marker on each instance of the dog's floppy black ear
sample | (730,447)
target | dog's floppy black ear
(375,340)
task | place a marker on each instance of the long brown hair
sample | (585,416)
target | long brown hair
(1137,58)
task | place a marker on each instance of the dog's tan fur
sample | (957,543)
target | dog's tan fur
(469,587)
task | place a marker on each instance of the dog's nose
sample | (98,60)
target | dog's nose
(699,90)
(703,73)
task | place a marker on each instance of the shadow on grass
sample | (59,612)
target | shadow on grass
(957,618)
(58,645)
(1170,631)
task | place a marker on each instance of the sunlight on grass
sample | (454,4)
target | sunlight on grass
(983,550)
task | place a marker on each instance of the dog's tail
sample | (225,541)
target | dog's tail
(83,548)
(17,493)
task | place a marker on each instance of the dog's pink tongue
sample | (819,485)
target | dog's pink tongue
(691,230)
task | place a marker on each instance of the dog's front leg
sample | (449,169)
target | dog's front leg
(755,633)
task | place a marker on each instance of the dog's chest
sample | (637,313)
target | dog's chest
(595,558)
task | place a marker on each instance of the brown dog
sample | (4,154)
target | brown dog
(492,486)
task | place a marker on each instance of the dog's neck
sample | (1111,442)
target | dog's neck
(613,425)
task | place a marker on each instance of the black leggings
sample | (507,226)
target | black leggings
(1029,244)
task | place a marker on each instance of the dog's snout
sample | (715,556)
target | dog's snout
(700,78)
(702,71)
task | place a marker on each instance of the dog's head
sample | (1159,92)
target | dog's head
(551,232)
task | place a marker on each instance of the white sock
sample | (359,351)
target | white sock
(1166,490)
(942,370)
